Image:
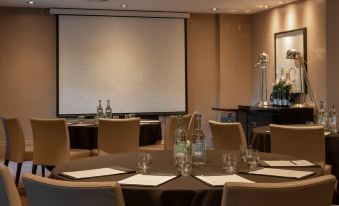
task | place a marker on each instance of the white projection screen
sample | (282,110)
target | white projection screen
(138,63)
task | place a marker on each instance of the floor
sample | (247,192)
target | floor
(26,168)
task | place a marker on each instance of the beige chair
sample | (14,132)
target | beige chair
(305,142)
(316,191)
(15,145)
(118,135)
(51,144)
(171,126)
(44,191)
(227,135)
(9,195)
(191,126)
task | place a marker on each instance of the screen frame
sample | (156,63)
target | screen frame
(118,114)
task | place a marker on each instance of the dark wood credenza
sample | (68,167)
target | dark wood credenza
(252,116)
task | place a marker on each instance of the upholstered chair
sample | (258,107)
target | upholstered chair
(227,135)
(43,191)
(15,145)
(316,191)
(305,142)
(191,126)
(9,195)
(51,144)
(118,135)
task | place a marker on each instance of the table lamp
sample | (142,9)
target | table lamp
(263,60)
(296,55)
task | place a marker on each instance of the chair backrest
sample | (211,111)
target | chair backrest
(51,141)
(227,135)
(44,191)
(9,195)
(191,126)
(171,126)
(316,191)
(118,135)
(15,140)
(306,142)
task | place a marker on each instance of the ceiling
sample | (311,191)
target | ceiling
(191,6)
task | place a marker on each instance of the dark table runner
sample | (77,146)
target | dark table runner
(86,137)
(181,191)
(262,140)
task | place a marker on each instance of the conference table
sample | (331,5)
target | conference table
(183,190)
(261,140)
(85,135)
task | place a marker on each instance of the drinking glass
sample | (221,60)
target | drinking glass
(144,162)
(81,119)
(243,149)
(252,157)
(131,115)
(115,117)
(185,165)
(229,163)
(127,116)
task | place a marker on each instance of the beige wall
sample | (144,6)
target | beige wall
(27,65)
(203,66)
(235,60)
(332,51)
(307,13)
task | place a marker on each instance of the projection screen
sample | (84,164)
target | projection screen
(138,63)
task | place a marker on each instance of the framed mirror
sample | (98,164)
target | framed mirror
(289,69)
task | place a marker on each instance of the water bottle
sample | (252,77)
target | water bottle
(108,110)
(333,119)
(199,145)
(180,136)
(100,111)
(322,116)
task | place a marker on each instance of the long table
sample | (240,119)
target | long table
(181,191)
(85,136)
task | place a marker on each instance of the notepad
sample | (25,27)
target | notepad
(286,163)
(147,180)
(82,124)
(282,173)
(149,121)
(220,180)
(93,173)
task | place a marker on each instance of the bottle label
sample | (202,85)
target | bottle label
(179,149)
(198,148)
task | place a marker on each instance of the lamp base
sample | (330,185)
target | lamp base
(300,105)
(263,104)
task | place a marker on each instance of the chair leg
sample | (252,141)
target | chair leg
(43,170)
(6,163)
(34,168)
(18,172)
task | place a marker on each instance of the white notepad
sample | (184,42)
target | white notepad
(147,180)
(220,180)
(286,163)
(282,173)
(93,173)
(149,121)
(82,124)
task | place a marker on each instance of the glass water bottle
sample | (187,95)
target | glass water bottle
(199,144)
(180,137)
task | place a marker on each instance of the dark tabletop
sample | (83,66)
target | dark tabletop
(179,191)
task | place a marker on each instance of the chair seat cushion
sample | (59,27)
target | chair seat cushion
(79,153)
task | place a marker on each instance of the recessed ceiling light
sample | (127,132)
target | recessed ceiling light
(31,2)
(123,5)
(281,2)
(214,9)
(97,0)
